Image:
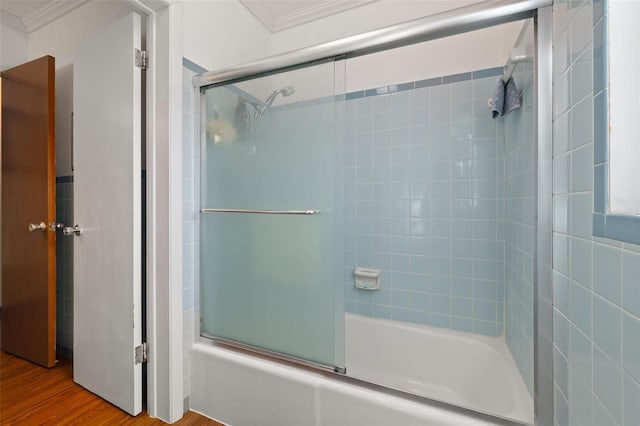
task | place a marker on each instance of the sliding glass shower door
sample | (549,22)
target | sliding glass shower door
(271,215)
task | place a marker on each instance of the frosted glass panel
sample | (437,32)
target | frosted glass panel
(271,280)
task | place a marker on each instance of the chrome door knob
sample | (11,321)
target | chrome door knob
(55,226)
(75,230)
(37,227)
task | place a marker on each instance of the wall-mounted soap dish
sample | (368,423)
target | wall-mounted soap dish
(366,278)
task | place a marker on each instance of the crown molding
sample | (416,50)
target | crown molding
(11,20)
(50,12)
(317,11)
(301,16)
(261,13)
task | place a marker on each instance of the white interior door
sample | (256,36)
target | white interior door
(107,207)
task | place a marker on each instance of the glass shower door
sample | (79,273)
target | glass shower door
(271,215)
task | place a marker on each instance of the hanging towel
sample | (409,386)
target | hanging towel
(511,97)
(497,102)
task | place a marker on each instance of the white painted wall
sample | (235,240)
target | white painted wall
(14,49)
(59,39)
(486,48)
(221,33)
(354,21)
(245,39)
(476,50)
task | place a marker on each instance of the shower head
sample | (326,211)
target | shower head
(285,91)
(261,109)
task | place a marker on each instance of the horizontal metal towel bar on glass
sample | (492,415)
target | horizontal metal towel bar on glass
(297,212)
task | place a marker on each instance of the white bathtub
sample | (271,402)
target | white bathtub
(241,389)
(464,369)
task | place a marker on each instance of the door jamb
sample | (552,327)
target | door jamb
(165,393)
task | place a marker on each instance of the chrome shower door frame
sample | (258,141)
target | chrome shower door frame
(456,21)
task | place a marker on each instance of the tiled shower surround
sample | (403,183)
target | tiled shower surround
(425,203)
(64,268)
(519,231)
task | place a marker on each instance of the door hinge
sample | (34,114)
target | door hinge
(142,59)
(141,353)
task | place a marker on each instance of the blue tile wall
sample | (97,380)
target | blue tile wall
(595,280)
(519,231)
(424,202)
(64,269)
(190,217)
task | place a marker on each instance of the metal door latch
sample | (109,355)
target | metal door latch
(68,230)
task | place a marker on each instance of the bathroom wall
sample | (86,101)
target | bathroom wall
(59,38)
(424,174)
(519,226)
(190,217)
(218,34)
(224,33)
(14,49)
(596,285)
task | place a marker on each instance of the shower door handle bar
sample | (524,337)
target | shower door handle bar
(294,212)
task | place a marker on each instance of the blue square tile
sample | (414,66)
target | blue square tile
(581,119)
(601,127)
(631,344)
(485,310)
(462,324)
(581,30)
(439,320)
(441,266)
(600,188)
(631,283)
(581,258)
(561,332)
(440,304)
(462,307)
(561,371)
(419,301)
(582,76)
(486,328)
(561,409)
(631,398)
(600,57)
(439,284)
(607,383)
(461,287)
(485,290)
(600,414)
(607,328)
(607,272)
(580,309)
(582,171)
(581,401)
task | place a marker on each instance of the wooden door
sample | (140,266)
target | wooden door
(28,209)
(107,265)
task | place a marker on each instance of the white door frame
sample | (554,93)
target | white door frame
(165,391)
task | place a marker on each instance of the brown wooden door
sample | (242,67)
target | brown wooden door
(28,197)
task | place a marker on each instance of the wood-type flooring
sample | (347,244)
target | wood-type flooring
(32,395)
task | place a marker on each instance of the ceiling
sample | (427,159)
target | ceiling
(275,15)
(278,15)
